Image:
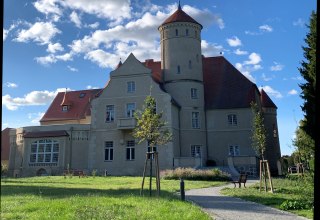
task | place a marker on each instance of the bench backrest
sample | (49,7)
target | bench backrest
(242,178)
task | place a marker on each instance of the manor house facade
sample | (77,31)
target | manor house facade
(205,100)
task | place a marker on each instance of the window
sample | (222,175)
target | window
(149,150)
(64,108)
(190,64)
(234,151)
(108,151)
(110,113)
(82,95)
(176,32)
(232,119)
(195,120)
(130,150)
(195,150)
(44,151)
(178,69)
(130,109)
(187,32)
(131,87)
(274,129)
(194,93)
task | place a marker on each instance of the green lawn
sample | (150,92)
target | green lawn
(56,197)
(296,193)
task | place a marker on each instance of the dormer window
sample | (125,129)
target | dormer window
(82,95)
(65,108)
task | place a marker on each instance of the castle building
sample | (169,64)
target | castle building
(205,102)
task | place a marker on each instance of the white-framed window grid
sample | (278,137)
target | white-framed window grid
(130,150)
(234,150)
(194,93)
(108,151)
(44,151)
(232,119)
(131,107)
(195,120)
(109,113)
(131,87)
(195,150)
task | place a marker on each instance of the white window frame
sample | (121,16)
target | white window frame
(194,93)
(65,108)
(196,150)
(50,148)
(108,147)
(131,147)
(195,120)
(234,150)
(131,87)
(110,116)
(130,112)
(232,119)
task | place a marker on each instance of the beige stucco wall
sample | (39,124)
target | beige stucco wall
(86,120)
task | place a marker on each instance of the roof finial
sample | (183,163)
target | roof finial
(179,6)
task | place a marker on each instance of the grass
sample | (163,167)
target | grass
(56,197)
(286,190)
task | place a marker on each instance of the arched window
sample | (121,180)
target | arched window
(176,32)
(44,151)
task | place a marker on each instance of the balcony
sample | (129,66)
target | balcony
(126,123)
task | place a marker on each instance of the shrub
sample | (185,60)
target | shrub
(296,205)
(193,174)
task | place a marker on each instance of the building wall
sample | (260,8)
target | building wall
(86,120)
(5,146)
(221,135)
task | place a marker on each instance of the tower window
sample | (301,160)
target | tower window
(190,64)
(176,32)
(187,32)
(194,93)
(232,119)
(195,120)
(178,69)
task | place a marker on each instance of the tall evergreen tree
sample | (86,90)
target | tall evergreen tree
(308,72)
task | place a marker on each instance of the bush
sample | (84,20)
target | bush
(296,205)
(193,174)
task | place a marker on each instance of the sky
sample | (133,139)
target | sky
(53,45)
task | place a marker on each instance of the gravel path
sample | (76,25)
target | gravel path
(221,207)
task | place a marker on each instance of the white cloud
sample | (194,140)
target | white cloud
(65,57)
(234,41)
(35,117)
(254,59)
(10,85)
(211,49)
(33,98)
(299,23)
(297,78)
(49,8)
(41,32)
(102,58)
(92,87)
(93,25)
(292,92)
(52,48)
(46,60)
(72,69)
(272,92)
(240,52)
(75,19)
(245,71)
(265,78)
(276,67)
(5,34)
(266,28)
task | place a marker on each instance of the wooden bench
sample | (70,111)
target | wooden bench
(79,173)
(242,179)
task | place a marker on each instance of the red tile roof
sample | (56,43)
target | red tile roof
(224,86)
(155,68)
(79,109)
(38,134)
(180,16)
(266,101)
(66,100)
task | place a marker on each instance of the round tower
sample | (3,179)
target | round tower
(181,64)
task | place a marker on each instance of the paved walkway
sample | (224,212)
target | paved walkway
(221,207)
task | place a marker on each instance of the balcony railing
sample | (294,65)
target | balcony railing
(126,123)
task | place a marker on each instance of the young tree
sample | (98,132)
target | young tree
(308,72)
(151,128)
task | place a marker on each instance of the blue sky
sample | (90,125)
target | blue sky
(51,45)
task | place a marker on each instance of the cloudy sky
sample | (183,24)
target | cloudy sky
(51,45)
